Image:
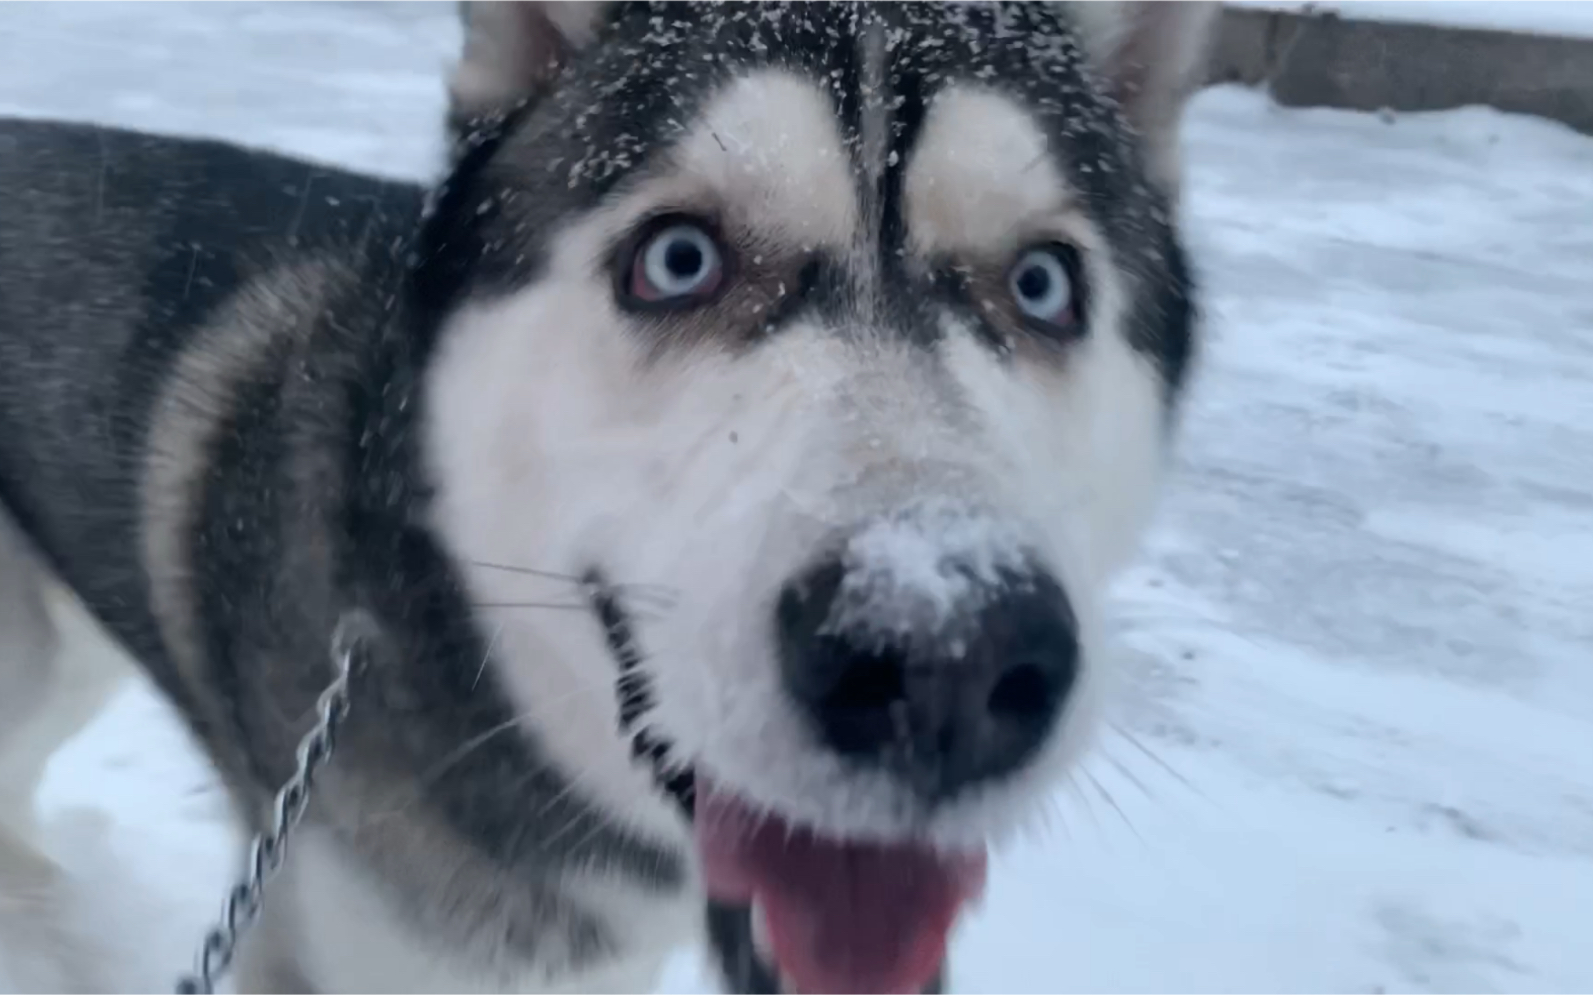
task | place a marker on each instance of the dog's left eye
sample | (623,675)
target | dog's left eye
(1044,284)
(678,263)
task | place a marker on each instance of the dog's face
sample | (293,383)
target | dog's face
(853,334)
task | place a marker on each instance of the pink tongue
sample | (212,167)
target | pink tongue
(843,917)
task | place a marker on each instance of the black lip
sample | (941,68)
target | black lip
(730,936)
(635,695)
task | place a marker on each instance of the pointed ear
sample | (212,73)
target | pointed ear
(513,50)
(1154,56)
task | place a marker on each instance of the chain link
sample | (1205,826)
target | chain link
(269,848)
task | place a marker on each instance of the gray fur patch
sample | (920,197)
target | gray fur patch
(194,404)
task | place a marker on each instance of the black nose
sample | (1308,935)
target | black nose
(943,697)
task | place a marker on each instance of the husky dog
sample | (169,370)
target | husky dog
(836,349)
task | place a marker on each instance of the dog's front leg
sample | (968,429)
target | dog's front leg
(30,680)
(50,685)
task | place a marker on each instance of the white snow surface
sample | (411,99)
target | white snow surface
(1572,18)
(1359,648)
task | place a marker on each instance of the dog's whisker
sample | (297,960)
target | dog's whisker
(1157,759)
(597,827)
(1127,773)
(582,815)
(470,745)
(1107,797)
(529,571)
(461,752)
(571,783)
(652,592)
(486,656)
(648,612)
(655,595)
(1054,818)
(418,786)
(1083,797)
(576,776)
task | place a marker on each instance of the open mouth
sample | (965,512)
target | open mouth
(791,911)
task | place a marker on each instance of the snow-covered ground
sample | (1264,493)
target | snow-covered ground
(1359,649)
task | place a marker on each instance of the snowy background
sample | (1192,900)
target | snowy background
(1360,645)
(1553,17)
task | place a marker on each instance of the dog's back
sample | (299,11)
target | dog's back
(116,248)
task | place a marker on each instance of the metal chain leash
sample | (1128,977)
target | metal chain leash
(269,848)
(349,647)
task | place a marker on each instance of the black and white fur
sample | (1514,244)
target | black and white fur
(231,409)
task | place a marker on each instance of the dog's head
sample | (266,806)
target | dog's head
(856,333)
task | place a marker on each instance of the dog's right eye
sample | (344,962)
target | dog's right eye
(674,263)
(1044,283)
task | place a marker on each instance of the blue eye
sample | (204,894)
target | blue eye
(678,264)
(1042,285)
